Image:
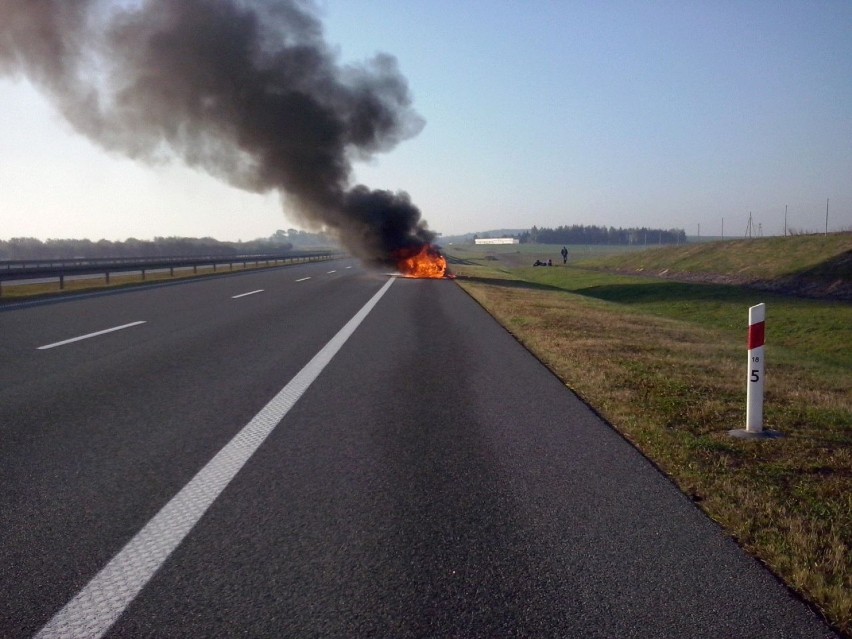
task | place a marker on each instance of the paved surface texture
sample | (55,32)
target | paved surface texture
(434,481)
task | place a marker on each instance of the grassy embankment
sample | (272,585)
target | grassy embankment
(665,363)
(814,265)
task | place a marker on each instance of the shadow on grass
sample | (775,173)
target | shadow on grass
(653,291)
(838,267)
(641,292)
(524,284)
(460,260)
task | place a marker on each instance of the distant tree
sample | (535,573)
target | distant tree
(25,248)
(579,234)
(22,248)
(279,237)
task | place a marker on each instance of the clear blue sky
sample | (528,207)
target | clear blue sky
(661,114)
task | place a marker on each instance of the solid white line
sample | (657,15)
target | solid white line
(234,297)
(303,279)
(100,603)
(87,336)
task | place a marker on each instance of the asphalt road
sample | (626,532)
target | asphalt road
(433,480)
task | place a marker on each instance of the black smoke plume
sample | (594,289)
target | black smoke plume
(247,90)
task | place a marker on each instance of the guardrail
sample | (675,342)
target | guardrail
(62,268)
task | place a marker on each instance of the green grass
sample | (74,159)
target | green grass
(812,329)
(669,374)
(518,255)
(821,257)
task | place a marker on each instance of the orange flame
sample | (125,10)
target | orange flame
(428,262)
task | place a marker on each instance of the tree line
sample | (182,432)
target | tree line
(580,234)
(31,248)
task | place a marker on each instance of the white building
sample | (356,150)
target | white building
(496,240)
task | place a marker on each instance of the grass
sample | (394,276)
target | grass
(517,255)
(669,373)
(813,329)
(823,257)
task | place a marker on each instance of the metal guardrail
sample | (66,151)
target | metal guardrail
(59,269)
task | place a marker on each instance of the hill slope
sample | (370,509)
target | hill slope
(812,266)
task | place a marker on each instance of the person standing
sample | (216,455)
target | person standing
(564,255)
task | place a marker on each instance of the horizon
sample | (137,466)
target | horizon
(507,232)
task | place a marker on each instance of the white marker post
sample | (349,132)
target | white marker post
(754,388)
(756,363)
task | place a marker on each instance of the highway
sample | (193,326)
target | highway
(324,451)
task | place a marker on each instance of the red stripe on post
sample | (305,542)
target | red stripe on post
(756,335)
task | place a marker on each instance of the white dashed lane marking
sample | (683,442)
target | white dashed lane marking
(234,297)
(100,603)
(88,335)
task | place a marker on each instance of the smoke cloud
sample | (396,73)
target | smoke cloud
(247,90)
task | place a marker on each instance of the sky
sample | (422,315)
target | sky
(681,114)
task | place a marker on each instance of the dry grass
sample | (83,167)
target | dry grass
(675,388)
(820,256)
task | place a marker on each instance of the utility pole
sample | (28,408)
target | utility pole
(723,228)
(826,216)
(785,220)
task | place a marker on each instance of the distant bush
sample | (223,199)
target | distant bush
(579,234)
